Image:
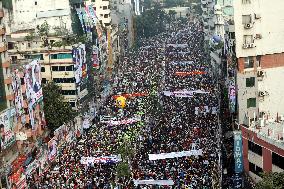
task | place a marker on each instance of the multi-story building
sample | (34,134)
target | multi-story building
(263,149)
(6,97)
(207,7)
(259,49)
(103,9)
(259,31)
(28,14)
(56,64)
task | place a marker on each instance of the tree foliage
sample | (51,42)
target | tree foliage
(57,112)
(174,3)
(150,22)
(123,170)
(271,181)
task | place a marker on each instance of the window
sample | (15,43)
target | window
(248,39)
(61,56)
(43,80)
(246,19)
(72,104)
(62,68)
(251,102)
(106,16)
(277,160)
(246,1)
(104,7)
(64,80)
(34,56)
(255,169)
(255,148)
(68,92)
(22,81)
(35,3)
(249,62)
(54,68)
(69,68)
(258,59)
(42,69)
(250,82)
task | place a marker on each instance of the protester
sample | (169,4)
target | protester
(186,122)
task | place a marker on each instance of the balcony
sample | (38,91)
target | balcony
(1,13)
(6,64)
(2,31)
(8,80)
(204,7)
(3,47)
(10,97)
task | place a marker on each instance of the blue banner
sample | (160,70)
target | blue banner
(238,181)
(238,151)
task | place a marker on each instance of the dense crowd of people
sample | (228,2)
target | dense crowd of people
(184,123)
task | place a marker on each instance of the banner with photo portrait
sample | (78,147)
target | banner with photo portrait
(95,58)
(33,83)
(7,135)
(34,94)
(81,68)
(52,149)
(17,90)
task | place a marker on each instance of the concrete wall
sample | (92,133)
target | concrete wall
(270,26)
(273,83)
(245,93)
(30,13)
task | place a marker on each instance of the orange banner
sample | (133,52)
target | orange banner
(127,95)
(190,73)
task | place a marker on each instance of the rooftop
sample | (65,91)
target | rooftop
(271,132)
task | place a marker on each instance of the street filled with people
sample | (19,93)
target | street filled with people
(159,125)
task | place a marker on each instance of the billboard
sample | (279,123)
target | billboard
(7,135)
(232,95)
(95,58)
(17,90)
(238,152)
(33,83)
(81,68)
(32,78)
(52,149)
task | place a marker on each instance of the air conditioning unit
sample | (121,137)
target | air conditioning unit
(260,73)
(258,36)
(251,45)
(247,26)
(263,93)
(245,45)
(257,16)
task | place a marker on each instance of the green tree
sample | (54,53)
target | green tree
(57,112)
(123,170)
(43,32)
(271,181)
(150,22)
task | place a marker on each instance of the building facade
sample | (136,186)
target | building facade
(259,49)
(6,97)
(263,149)
(260,62)
(28,14)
